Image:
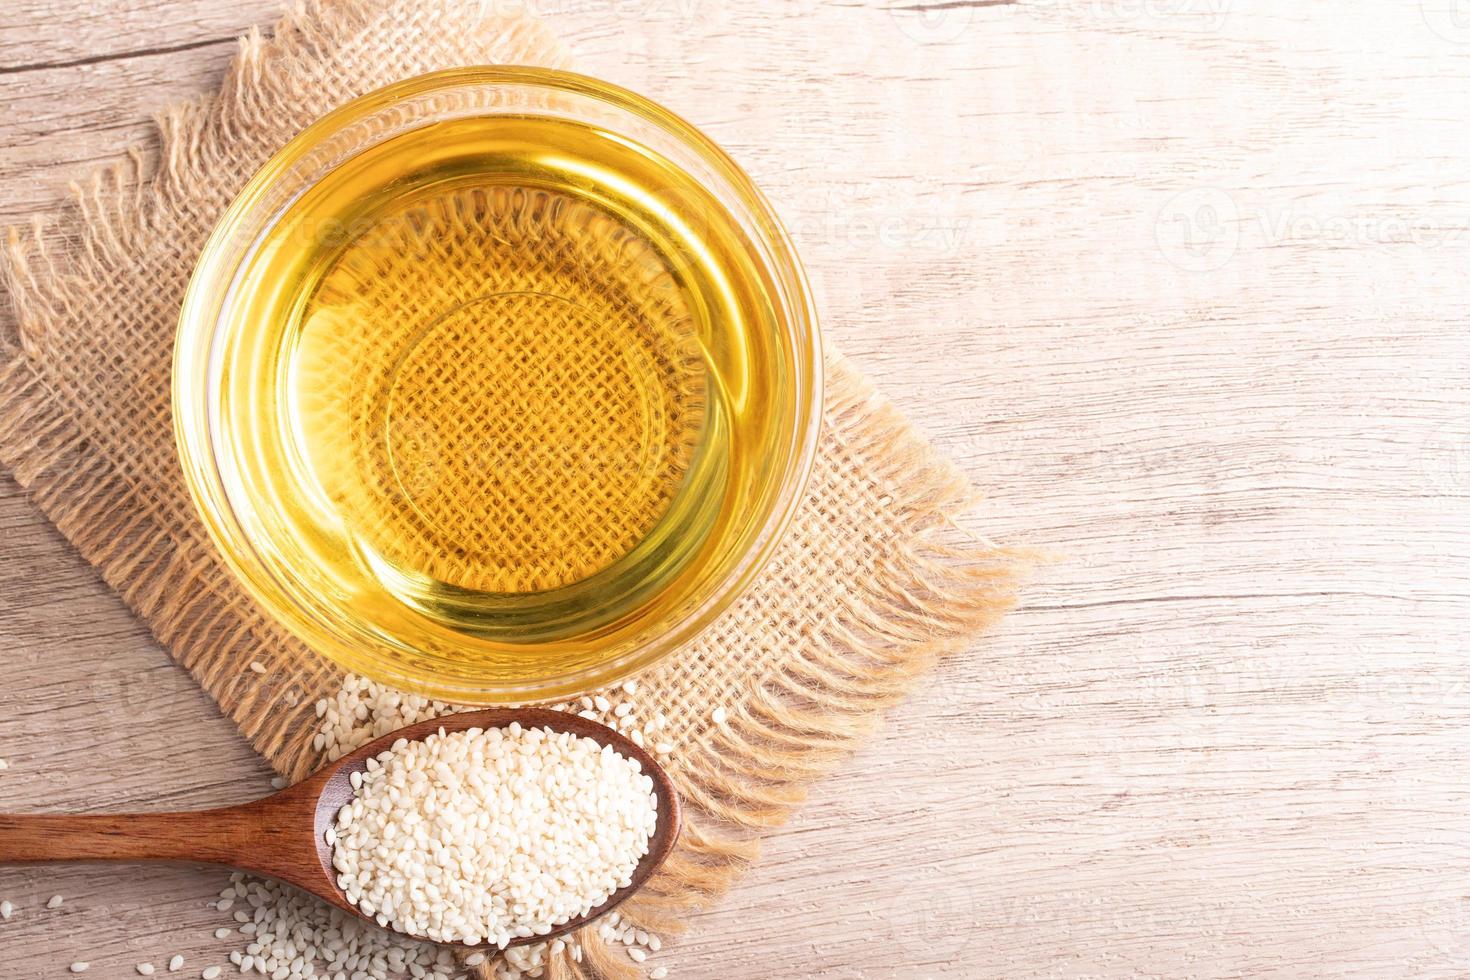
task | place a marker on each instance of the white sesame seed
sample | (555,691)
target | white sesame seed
(6,911)
(719,715)
(658,973)
(623,710)
(4,765)
(54,902)
(144,969)
(209,973)
(630,687)
(175,964)
(222,934)
(636,955)
(80,967)
(257,666)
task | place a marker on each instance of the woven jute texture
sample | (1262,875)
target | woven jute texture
(519,487)
(873,582)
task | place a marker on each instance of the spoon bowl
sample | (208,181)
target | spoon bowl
(283,836)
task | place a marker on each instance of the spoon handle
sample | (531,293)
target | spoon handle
(222,836)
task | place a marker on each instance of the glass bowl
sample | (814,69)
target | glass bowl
(497,384)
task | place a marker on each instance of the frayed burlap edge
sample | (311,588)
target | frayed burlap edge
(166,573)
(796,724)
(794,720)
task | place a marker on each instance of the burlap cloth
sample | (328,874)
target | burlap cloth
(873,582)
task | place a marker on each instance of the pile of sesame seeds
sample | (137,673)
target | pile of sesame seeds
(491,835)
(358,712)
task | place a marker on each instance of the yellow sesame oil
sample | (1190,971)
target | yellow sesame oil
(518,375)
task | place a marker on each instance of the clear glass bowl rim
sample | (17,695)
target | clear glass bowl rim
(194,386)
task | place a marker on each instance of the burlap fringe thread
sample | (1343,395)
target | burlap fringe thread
(791,721)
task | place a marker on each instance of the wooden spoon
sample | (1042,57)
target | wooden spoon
(283,835)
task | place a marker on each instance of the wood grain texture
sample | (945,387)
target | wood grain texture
(1181,283)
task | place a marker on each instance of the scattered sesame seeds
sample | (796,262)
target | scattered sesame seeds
(54,902)
(288,935)
(176,964)
(308,938)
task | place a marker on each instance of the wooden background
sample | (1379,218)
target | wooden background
(1181,283)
